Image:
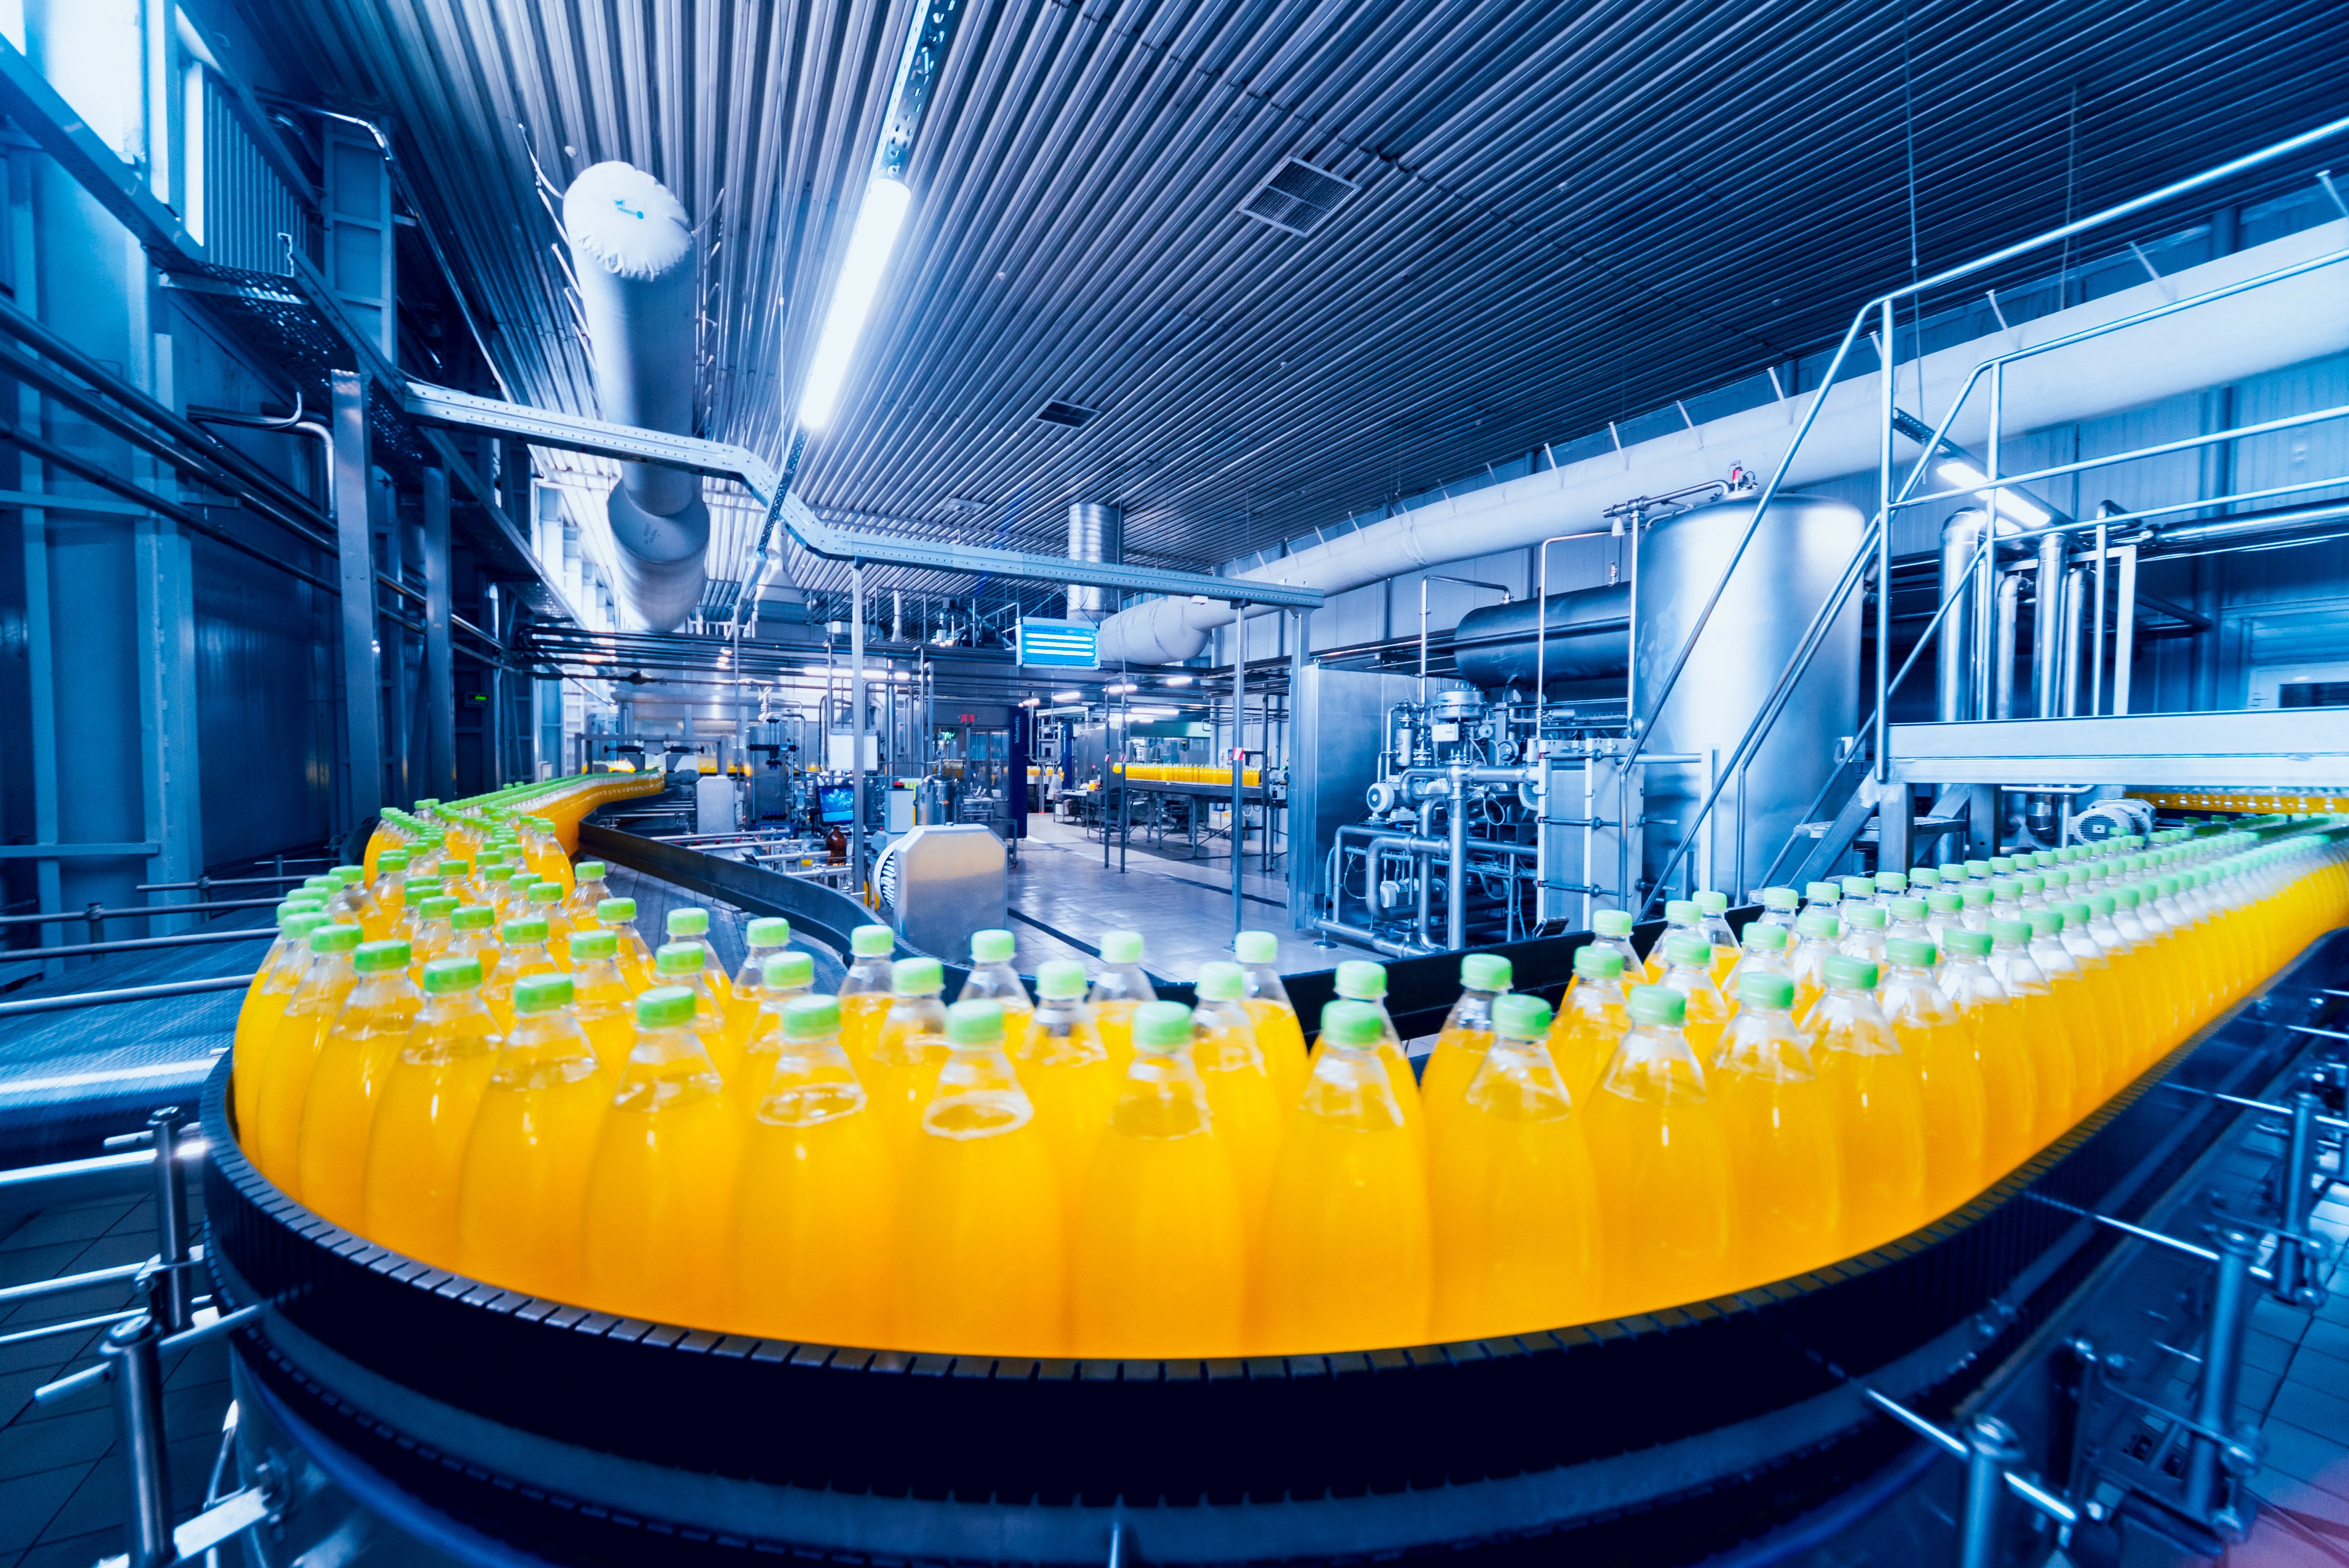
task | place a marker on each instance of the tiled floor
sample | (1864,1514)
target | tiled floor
(2302,1389)
(60,1482)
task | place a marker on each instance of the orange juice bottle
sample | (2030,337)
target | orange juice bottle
(982,1264)
(522,953)
(337,1114)
(1591,1018)
(474,934)
(1945,912)
(414,890)
(1780,906)
(815,1237)
(1121,987)
(1909,920)
(1611,929)
(1864,929)
(265,1003)
(1662,1165)
(2133,1030)
(992,979)
(1064,1069)
(352,901)
(292,1055)
(1460,1044)
(1816,939)
(587,890)
(601,998)
(1785,1167)
(619,916)
(1681,916)
(1712,923)
(902,1068)
(521,1190)
(433,932)
(1688,969)
(1933,1035)
(1879,1102)
(768,937)
(1511,1202)
(693,925)
(2082,1009)
(1767,951)
(866,993)
(1158,1260)
(1279,1033)
(790,975)
(545,899)
(1241,1095)
(657,1235)
(2036,1023)
(387,892)
(686,963)
(2119,1025)
(424,1118)
(1347,1261)
(1358,980)
(2009,1087)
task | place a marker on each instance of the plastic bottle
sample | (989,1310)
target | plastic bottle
(1780,905)
(1158,1262)
(601,998)
(352,902)
(816,1242)
(387,894)
(473,934)
(588,891)
(1944,912)
(686,963)
(1360,980)
(1859,892)
(523,1183)
(257,1016)
(424,1118)
(1245,1104)
(993,979)
(1120,987)
(1279,1033)
(522,953)
(434,930)
(2038,1025)
(2009,1087)
(693,925)
(273,1143)
(1818,936)
(658,1227)
(1976,899)
(790,975)
(2083,1009)
(1512,1204)
(1768,950)
(1065,1070)
(1689,971)
(414,890)
(364,1041)
(545,899)
(902,1068)
(1713,921)
(619,916)
(1878,1103)
(1821,895)
(1909,919)
(1348,1256)
(1863,928)
(1785,1164)
(867,991)
(1680,915)
(1611,929)
(762,939)
(1886,887)
(1591,1018)
(1662,1160)
(1933,1035)
(982,1265)
(1467,1031)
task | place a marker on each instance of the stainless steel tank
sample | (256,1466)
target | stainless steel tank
(1793,565)
(1588,634)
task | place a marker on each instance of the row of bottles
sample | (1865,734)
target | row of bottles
(1094,1172)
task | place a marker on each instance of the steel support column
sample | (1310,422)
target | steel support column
(172,783)
(1239,762)
(439,694)
(857,732)
(362,791)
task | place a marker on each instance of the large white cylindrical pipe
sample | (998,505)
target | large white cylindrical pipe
(2261,329)
(632,248)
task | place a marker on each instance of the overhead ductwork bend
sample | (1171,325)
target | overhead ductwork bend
(632,249)
(2248,333)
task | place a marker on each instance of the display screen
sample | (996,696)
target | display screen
(836,803)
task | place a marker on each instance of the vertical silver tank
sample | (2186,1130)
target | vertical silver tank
(1096,532)
(1789,570)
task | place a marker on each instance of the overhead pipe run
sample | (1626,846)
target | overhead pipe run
(1097,534)
(632,249)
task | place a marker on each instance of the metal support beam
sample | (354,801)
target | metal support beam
(857,732)
(439,689)
(2248,749)
(1240,768)
(2223,1354)
(362,791)
(132,1366)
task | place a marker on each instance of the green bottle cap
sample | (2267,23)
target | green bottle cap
(1892,881)
(1484,971)
(348,874)
(590,870)
(679,958)
(1687,947)
(417,888)
(1360,980)
(1167,1026)
(1946,903)
(2016,931)
(1612,923)
(440,908)
(474,917)
(392,860)
(1121,947)
(1595,963)
(992,946)
(1659,1005)
(1818,925)
(1977,869)
(381,957)
(767,931)
(2032,883)
(2046,922)
(1858,889)
(972,1024)
(545,892)
(1711,903)
(688,922)
(1221,982)
(542,993)
(1520,1017)
(2100,905)
(613,910)
(1354,1025)
(1060,980)
(1969,943)
(1257,947)
(1913,951)
(296,924)
(452,869)
(1908,908)
(1780,898)
(809,1018)
(664,1008)
(1821,893)
(1679,911)
(335,938)
(442,976)
(788,972)
(1926,878)
(872,942)
(2074,913)
(1978,895)
(586,946)
(1763,989)
(916,977)
(2002,865)
(1841,969)
(523,930)
(1869,917)
(1761,938)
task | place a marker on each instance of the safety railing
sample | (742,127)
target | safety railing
(1896,492)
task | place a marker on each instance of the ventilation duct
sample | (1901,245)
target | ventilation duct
(1096,533)
(632,249)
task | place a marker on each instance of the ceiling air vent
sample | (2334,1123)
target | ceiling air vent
(1296,196)
(1058,413)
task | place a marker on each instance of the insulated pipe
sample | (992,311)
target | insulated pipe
(2046,626)
(2283,323)
(632,249)
(1960,539)
(2075,597)
(2010,611)
(1097,534)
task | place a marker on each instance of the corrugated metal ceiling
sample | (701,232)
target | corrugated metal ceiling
(1564,215)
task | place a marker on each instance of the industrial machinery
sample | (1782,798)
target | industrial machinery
(941,881)
(1512,799)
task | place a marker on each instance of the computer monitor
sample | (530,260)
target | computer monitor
(836,803)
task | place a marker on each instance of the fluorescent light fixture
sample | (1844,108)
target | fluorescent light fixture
(1122,689)
(878,220)
(2010,506)
(1066,696)
(1031,702)
(1153,712)
(1178,680)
